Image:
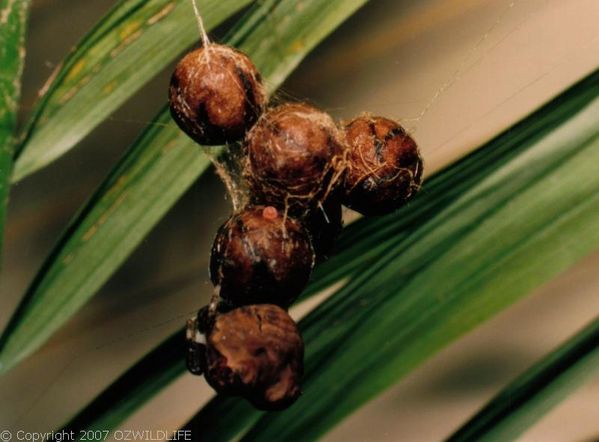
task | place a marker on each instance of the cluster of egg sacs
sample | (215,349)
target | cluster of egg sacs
(299,167)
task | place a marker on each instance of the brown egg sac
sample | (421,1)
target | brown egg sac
(325,223)
(256,352)
(260,256)
(216,95)
(295,156)
(384,167)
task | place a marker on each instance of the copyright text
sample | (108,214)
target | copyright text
(95,435)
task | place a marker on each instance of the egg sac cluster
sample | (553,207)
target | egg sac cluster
(299,167)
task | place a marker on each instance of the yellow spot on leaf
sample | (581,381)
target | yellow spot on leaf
(129,29)
(75,71)
(109,87)
(297,46)
(130,38)
(91,232)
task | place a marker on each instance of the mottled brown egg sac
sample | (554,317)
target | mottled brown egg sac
(325,223)
(295,156)
(384,167)
(256,352)
(260,256)
(216,95)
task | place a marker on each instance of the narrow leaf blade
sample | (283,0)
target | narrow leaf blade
(13,21)
(524,401)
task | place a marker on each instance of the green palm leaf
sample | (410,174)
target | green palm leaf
(13,20)
(483,233)
(154,173)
